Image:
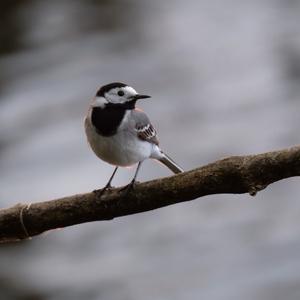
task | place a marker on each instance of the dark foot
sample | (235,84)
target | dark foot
(129,187)
(99,193)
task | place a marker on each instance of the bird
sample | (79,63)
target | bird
(121,134)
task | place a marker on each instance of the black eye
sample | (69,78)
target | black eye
(120,93)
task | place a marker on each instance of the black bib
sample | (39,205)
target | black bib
(107,120)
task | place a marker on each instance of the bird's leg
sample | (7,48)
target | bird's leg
(130,186)
(108,185)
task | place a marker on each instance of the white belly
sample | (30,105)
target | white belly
(123,149)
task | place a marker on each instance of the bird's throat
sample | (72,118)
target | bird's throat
(122,106)
(107,120)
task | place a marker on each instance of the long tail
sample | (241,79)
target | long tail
(170,163)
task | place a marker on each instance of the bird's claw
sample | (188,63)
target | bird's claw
(100,192)
(127,188)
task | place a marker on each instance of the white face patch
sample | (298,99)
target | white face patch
(99,102)
(120,94)
(129,90)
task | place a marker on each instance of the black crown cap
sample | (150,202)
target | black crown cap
(105,88)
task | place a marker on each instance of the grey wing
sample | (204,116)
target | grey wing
(144,128)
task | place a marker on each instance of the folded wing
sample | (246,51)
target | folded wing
(145,130)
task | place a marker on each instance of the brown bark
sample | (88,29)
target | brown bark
(234,175)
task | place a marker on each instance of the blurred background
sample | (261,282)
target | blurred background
(225,80)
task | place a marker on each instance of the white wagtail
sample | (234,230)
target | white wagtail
(121,134)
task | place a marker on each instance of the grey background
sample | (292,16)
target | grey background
(224,77)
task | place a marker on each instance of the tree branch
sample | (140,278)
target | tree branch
(235,175)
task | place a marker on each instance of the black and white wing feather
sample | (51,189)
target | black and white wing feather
(146,132)
(144,128)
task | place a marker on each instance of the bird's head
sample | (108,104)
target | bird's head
(116,93)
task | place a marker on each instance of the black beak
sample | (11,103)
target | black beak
(138,96)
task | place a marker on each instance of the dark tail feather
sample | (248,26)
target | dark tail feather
(171,164)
